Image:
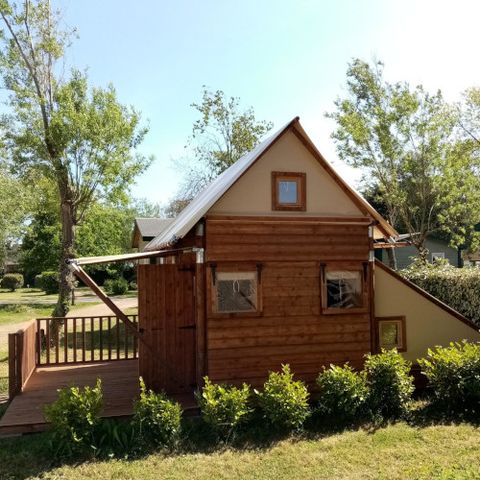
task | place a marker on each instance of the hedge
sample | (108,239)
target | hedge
(457,287)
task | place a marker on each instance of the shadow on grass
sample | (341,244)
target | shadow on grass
(31,455)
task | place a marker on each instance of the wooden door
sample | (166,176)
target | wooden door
(167,318)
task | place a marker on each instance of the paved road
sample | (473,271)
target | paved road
(93,311)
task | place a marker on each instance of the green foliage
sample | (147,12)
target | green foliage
(404,140)
(116,286)
(454,376)
(457,287)
(49,282)
(115,438)
(74,416)
(284,401)
(12,281)
(57,127)
(157,418)
(389,384)
(342,393)
(224,407)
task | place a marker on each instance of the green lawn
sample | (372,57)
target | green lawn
(395,452)
(36,295)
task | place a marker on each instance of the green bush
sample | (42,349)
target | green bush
(50,282)
(224,407)
(133,286)
(12,281)
(454,376)
(343,393)
(457,287)
(117,286)
(389,383)
(158,419)
(74,417)
(284,401)
(37,282)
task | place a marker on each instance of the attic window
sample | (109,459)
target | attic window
(289,191)
(391,333)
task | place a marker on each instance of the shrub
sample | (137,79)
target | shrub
(454,375)
(37,281)
(50,282)
(457,287)
(74,417)
(157,418)
(389,383)
(117,286)
(284,401)
(224,407)
(343,393)
(115,437)
(133,286)
(12,281)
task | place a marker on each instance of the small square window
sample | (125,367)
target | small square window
(236,292)
(288,191)
(391,333)
(438,256)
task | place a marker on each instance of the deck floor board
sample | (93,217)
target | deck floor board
(119,383)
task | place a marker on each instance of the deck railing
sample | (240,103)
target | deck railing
(84,340)
(21,357)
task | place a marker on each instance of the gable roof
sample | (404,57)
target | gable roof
(152,227)
(200,205)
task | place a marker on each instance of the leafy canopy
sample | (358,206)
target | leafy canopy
(404,140)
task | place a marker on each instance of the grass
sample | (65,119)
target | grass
(395,452)
(35,294)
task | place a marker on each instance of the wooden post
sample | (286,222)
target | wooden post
(13,380)
(200,321)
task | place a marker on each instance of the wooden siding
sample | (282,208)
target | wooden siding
(291,328)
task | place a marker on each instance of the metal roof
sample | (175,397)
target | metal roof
(200,205)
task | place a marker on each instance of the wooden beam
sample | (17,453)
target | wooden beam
(83,275)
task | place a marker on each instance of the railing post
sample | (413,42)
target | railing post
(15,343)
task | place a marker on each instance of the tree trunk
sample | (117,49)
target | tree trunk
(392,258)
(67,251)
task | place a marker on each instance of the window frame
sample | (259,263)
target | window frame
(362,268)
(301,180)
(399,319)
(213,269)
(435,255)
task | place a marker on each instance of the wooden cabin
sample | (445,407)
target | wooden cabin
(274,263)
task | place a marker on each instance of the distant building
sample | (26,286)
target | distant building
(437,249)
(146,229)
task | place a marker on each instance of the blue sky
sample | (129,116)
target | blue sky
(284,58)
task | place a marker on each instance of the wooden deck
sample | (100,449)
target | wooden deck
(119,383)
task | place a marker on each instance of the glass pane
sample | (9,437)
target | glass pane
(390,334)
(236,292)
(344,289)
(287,191)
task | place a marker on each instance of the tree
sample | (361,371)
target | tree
(82,139)
(223,133)
(404,141)
(14,205)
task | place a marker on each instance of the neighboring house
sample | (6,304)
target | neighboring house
(437,248)
(146,229)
